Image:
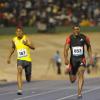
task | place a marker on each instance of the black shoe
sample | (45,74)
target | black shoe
(79,97)
(19,92)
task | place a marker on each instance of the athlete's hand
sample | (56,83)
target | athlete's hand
(67,69)
(25,42)
(91,61)
(66,61)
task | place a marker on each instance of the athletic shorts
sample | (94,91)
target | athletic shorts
(75,64)
(26,66)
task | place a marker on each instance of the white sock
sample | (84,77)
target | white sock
(20,91)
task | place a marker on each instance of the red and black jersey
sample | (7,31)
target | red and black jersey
(77,44)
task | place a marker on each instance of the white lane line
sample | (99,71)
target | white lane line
(13,92)
(32,89)
(43,93)
(84,92)
(8,92)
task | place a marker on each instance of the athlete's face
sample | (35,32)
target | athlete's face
(76,30)
(19,33)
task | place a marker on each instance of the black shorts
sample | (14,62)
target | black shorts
(75,64)
(27,66)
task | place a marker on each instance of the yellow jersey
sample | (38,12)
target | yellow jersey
(23,51)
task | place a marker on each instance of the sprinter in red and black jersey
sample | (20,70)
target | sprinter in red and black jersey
(76,43)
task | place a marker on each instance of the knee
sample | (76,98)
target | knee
(81,72)
(20,70)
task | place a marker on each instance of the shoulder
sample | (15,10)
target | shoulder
(69,36)
(68,39)
(82,35)
(14,38)
(13,41)
(25,36)
(87,39)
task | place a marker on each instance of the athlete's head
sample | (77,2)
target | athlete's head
(19,32)
(76,30)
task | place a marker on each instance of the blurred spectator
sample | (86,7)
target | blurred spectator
(49,13)
(57,60)
(85,22)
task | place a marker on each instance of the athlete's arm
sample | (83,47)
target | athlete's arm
(89,50)
(12,49)
(29,43)
(66,48)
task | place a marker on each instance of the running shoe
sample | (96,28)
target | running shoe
(19,92)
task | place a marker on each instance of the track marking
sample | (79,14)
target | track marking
(56,91)
(84,92)
(13,92)
(30,89)
(40,94)
(7,93)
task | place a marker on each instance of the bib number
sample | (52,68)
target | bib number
(77,51)
(22,53)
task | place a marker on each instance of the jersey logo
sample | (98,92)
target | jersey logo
(81,39)
(81,64)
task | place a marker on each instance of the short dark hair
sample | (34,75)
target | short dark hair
(19,27)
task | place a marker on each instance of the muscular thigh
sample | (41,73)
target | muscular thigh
(74,66)
(81,69)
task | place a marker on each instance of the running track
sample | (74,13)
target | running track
(51,90)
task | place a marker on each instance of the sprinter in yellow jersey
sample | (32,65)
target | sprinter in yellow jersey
(23,45)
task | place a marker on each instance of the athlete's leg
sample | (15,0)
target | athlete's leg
(72,74)
(19,78)
(80,76)
(28,69)
(73,66)
(72,78)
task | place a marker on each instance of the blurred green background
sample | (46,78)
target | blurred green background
(33,30)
